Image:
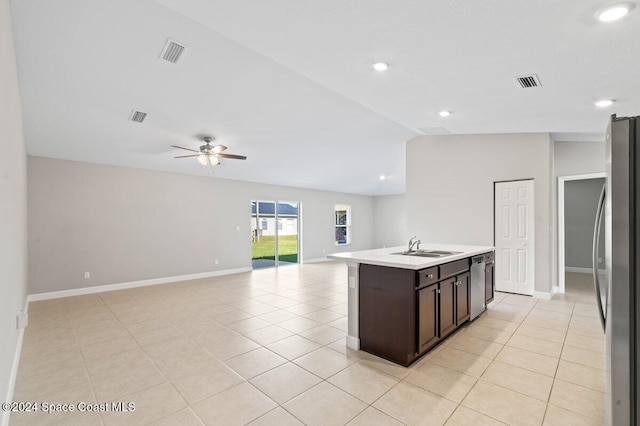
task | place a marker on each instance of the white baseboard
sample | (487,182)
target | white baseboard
(4,421)
(353,342)
(316,260)
(578,269)
(542,295)
(132,284)
(556,289)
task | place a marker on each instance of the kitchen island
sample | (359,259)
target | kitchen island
(400,305)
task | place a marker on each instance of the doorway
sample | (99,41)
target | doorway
(275,233)
(577,203)
(514,236)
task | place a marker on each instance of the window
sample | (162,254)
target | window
(264,224)
(279,224)
(343,225)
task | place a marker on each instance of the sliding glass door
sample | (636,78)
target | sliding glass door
(275,233)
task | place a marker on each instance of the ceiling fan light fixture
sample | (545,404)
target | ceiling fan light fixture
(218,149)
(208,154)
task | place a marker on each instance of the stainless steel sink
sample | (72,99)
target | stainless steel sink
(444,253)
(428,253)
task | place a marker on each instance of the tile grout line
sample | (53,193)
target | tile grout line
(84,362)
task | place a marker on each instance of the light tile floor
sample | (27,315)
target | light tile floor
(268,348)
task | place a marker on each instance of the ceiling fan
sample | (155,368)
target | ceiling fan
(209,154)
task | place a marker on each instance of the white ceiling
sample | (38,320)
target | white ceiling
(289,83)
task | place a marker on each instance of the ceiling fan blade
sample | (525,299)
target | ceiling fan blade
(185,156)
(188,149)
(235,157)
(218,149)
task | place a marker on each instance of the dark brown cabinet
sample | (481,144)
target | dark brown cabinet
(387,306)
(454,303)
(448,321)
(428,329)
(404,313)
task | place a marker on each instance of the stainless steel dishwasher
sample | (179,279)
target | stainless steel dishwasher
(478,298)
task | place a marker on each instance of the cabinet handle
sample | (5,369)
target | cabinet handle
(438,291)
(430,276)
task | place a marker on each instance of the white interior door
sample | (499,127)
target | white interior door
(514,236)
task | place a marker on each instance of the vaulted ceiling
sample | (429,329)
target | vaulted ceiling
(290,85)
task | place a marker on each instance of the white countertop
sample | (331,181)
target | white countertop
(383,257)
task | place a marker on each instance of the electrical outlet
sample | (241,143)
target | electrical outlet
(216,261)
(87,275)
(352,282)
(238,228)
(324,251)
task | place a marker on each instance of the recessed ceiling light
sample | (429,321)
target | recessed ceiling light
(382,177)
(444,113)
(603,103)
(380,66)
(613,12)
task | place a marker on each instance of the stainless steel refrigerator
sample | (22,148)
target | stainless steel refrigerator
(617,284)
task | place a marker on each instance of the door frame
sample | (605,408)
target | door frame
(561,240)
(276,259)
(533,235)
(298,233)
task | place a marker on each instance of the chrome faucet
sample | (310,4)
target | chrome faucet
(414,243)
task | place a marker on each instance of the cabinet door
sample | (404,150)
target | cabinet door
(387,301)
(489,283)
(427,317)
(462,298)
(447,306)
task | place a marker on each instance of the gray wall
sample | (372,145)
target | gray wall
(571,158)
(13,204)
(580,204)
(450,188)
(575,158)
(389,220)
(123,224)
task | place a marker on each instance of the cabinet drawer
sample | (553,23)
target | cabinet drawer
(427,276)
(453,268)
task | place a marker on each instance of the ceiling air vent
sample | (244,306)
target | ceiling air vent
(172,51)
(434,130)
(528,81)
(137,116)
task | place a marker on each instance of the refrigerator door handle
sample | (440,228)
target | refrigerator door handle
(596,244)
